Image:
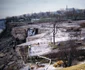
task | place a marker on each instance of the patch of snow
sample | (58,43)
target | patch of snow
(25,68)
(39,50)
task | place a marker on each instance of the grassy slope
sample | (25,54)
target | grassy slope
(75,67)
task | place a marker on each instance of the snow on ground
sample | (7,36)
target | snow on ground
(43,43)
(43,48)
(25,68)
(40,50)
(60,36)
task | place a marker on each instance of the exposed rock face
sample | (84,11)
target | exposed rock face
(10,60)
(19,33)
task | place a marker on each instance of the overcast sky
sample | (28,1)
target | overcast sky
(19,7)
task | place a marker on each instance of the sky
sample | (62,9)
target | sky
(19,7)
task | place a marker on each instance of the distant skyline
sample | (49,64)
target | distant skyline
(19,7)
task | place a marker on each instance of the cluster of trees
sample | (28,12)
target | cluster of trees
(72,13)
(75,14)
